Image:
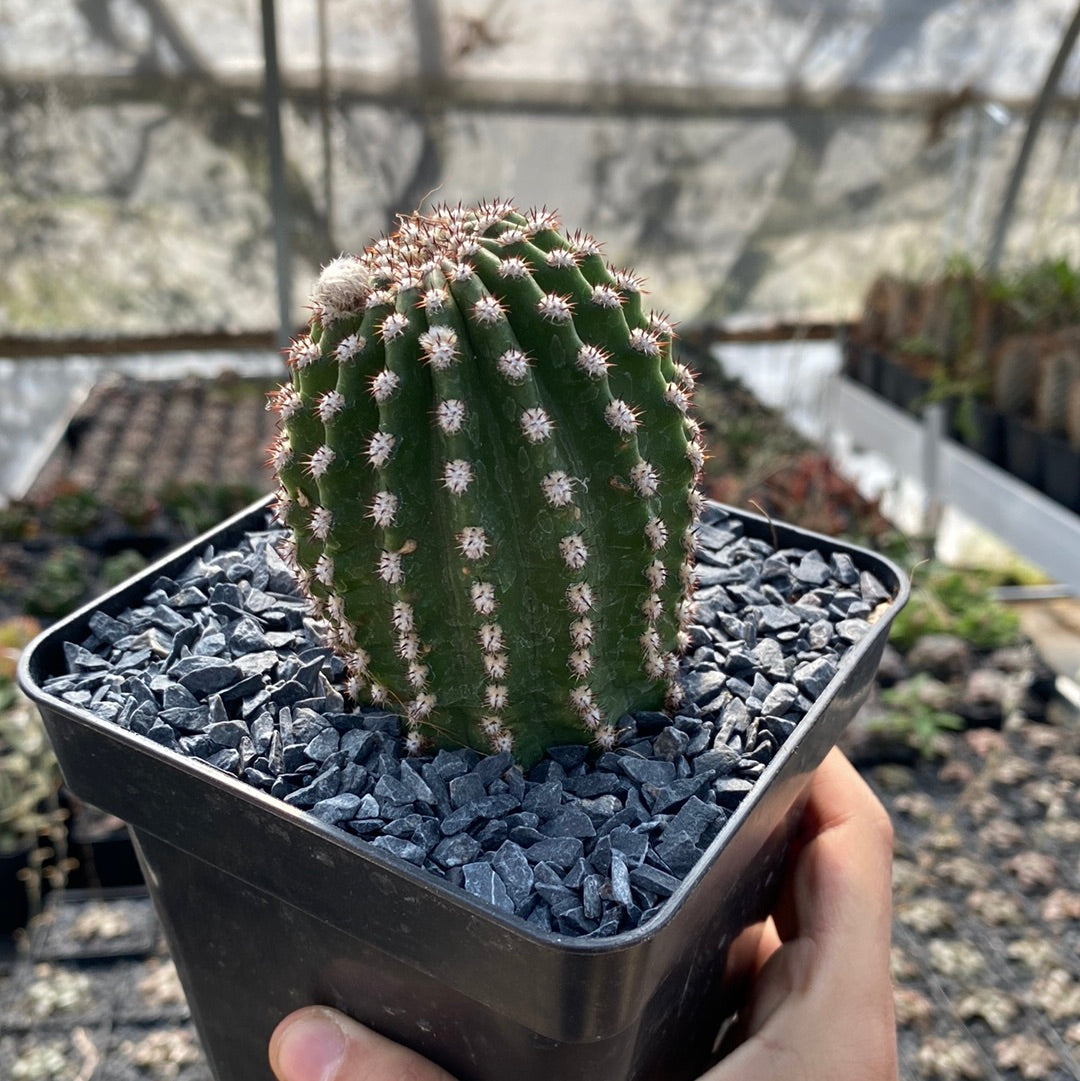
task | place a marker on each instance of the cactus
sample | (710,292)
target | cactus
(490,479)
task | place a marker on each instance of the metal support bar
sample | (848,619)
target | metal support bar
(933,434)
(279,195)
(326,126)
(1023,157)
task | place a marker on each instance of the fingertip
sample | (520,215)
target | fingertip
(317,1043)
(308,1045)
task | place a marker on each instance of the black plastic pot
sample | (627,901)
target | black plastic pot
(14,904)
(1061,472)
(980,427)
(105,857)
(1024,451)
(61,933)
(864,365)
(901,386)
(265,908)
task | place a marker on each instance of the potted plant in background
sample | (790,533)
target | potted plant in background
(31,820)
(1001,352)
(570,779)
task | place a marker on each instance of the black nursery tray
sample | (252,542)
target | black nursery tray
(83,925)
(266,907)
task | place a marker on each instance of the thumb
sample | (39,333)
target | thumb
(320,1044)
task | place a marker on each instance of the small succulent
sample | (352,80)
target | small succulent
(60,582)
(490,476)
(29,775)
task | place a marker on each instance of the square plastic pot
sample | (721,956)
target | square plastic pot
(901,386)
(1024,451)
(1061,472)
(864,364)
(14,903)
(266,909)
(979,426)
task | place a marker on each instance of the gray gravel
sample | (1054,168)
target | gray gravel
(224,664)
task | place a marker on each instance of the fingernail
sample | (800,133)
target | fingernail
(310,1049)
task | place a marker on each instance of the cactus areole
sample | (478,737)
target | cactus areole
(490,479)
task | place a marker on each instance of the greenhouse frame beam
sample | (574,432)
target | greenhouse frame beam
(1023,157)
(279,192)
(523,96)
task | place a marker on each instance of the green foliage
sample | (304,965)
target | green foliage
(17,521)
(29,775)
(1045,296)
(122,566)
(919,346)
(74,512)
(914,718)
(490,477)
(198,506)
(133,503)
(61,582)
(946,600)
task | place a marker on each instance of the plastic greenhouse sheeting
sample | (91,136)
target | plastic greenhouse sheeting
(752,158)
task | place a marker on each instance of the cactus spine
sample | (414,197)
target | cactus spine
(490,477)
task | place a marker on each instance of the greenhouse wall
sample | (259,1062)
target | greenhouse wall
(759,160)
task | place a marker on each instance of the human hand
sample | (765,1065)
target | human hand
(819,1004)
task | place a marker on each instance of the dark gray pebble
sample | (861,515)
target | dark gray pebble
(400,847)
(844,570)
(647,771)
(814,676)
(717,762)
(466,788)
(775,617)
(780,698)
(227,733)
(671,743)
(512,866)
(456,851)
(620,881)
(853,630)
(654,880)
(631,845)
(203,676)
(729,791)
(487,807)
(561,851)
(543,799)
(338,808)
(569,756)
(482,881)
(570,822)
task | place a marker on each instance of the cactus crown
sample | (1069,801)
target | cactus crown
(490,477)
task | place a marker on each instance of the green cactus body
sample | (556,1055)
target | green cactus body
(490,477)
